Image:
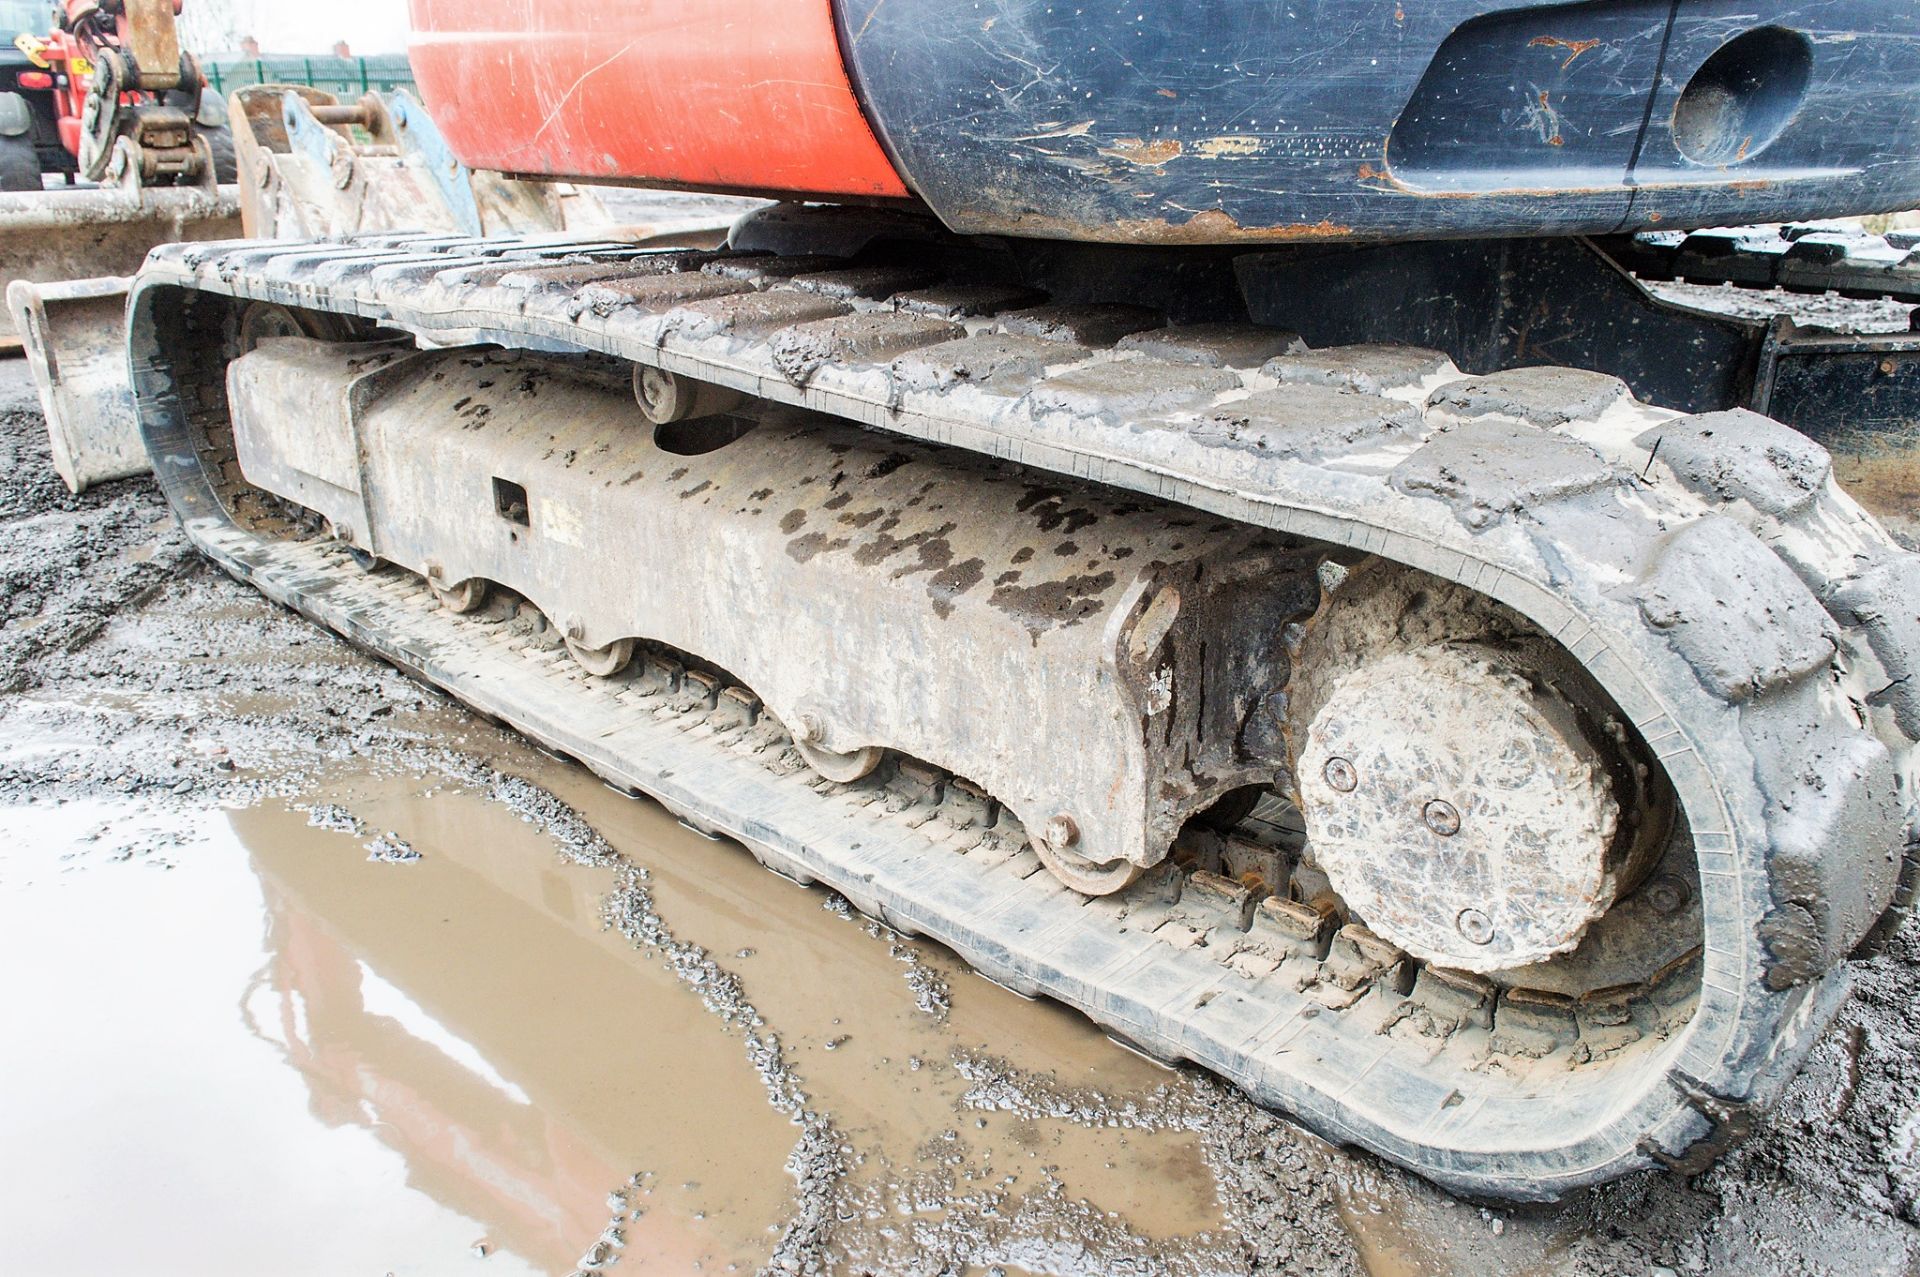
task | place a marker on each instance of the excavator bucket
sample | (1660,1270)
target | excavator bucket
(69,234)
(74,336)
(310,167)
(66,256)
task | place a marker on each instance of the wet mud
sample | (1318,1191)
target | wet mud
(307,969)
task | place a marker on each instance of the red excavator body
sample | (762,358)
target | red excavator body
(1233,121)
(733,95)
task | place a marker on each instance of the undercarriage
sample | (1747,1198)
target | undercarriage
(1493,771)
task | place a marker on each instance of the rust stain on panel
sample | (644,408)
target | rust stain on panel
(1574,48)
(1545,119)
(1133,150)
(1213,226)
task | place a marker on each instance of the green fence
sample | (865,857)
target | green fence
(346,77)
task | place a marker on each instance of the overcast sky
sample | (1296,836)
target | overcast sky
(297,26)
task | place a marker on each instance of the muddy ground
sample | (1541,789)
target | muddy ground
(306,969)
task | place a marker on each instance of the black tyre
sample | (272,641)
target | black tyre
(220,141)
(19,164)
(209,116)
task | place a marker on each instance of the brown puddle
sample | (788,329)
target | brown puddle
(468,1008)
(323,1061)
(311,1059)
(836,987)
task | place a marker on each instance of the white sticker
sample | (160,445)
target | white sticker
(558,522)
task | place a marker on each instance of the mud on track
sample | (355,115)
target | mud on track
(308,969)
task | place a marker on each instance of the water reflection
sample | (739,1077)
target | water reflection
(453,1050)
(467,1010)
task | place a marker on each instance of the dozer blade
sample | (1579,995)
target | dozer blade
(66,256)
(84,234)
(74,336)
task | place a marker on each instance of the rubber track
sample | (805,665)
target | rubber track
(1500,483)
(1798,257)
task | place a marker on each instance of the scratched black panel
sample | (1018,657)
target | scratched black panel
(1507,303)
(1859,398)
(1856,130)
(1862,404)
(1559,110)
(1241,119)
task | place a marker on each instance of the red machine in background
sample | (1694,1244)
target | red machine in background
(124,102)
